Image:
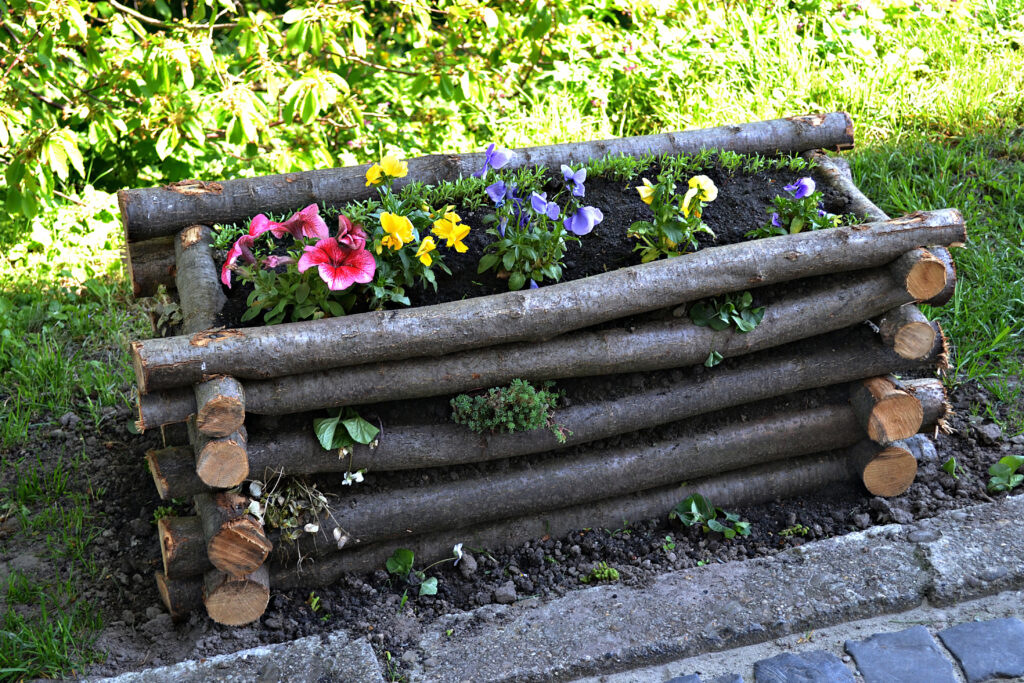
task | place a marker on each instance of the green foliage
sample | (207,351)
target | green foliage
(713,359)
(291,295)
(696,510)
(519,407)
(950,467)
(401,565)
(1004,474)
(669,545)
(601,572)
(677,219)
(792,215)
(795,530)
(732,309)
(619,167)
(354,429)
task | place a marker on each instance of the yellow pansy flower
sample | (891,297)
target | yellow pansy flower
(394,167)
(449,229)
(398,229)
(702,189)
(423,253)
(646,192)
(374,175)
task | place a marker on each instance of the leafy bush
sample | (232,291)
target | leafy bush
(519,407)
(695,510)
(733,309)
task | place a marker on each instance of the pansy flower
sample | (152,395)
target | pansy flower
(398,229)
(350,236)
(242,248)
(801,188)
(542,206)
(339,268)
(393,167)
(305,223)
(584,220)
(374,175)
(423,253)
(453,232)
(497,192)
(646,192)
(702,189)
(576,179)
(494,157)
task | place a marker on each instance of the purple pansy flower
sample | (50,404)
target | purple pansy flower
(576,179)
(775,220)
(541,205)
(497,192)
(584,220)
(533,284)
(494,157)
(801,188)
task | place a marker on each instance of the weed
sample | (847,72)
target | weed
(950,468)
(696,510)
(1004,474)
(602,572)
(720,312)
(519,407)
(669,544)
(795,530)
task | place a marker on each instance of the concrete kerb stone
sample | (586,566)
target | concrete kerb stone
(334,658)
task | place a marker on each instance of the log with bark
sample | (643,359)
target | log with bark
(150,264)
(885,410)
(236,600)
(181,596)
(182,547)
(220,406)
(943,297)
(826,304)
(198,280)
(153,212)
(534,315)
(886,471)
(837,358)
(907,331)
(934,403)
(220,462)
(235,542)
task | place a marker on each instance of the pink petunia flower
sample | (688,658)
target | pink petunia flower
(305,223)
(339,268)
(242,248)
(350,236)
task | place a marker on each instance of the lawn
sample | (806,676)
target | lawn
(935,89)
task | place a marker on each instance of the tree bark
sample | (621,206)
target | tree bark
(181,597)
(830,304)
(197,278)
(837,171)
(267,352)
(150,264)
(825,360)
(147,213)
(235,542)
(371,518)
(182,547)
(221,406)
(886,471)
(784,479)
(885,411)
(236,601)
(165,408)
(934,404)
(220,462)
(907,331)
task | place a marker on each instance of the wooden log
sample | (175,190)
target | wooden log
(946,258)
(220,403)
(182,547)
(374,517)
(171,467)
(181,597)
(907,331)
(926,274)
(825,360)
(830,303)
(884,410)
(279,350)
(836,170)
(886,471)
(761,484)
(236,600)
(164,408)
(235,542)
(147,213)
(151,263)
(198,280)
(935,406)
(221,462)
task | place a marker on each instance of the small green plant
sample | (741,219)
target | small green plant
(353,429)
(730,161)
(696,510)
(1004,474)
(669,544)
(802,211)
(713,359)
(519,407)
(313,601)
(795,530)
(602,572)
(677,220)
(950,467)
(618,167)
(401,565)
(733,309)
(163,511)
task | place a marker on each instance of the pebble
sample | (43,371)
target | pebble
(862,520)
(505,594)
(992,573)
(923,536)
(410,657)
(69,420)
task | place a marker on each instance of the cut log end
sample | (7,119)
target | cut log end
(914,341)
(220,405)
(240,547)
(886,412)
(223,463)
(236,601)
(890,472)
(927,278)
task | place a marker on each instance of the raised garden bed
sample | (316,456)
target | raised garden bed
(621,341)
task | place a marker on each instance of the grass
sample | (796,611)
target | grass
(936,98)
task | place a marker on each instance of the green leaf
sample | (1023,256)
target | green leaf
(310,106)
(359,429)
(429,586)
(487,262)
(949,467)
(516,281)
(508,260)
(293,16)
(400,562)
(166,142)
(325,428)
(301,293)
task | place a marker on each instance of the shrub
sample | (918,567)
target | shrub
(519,407)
